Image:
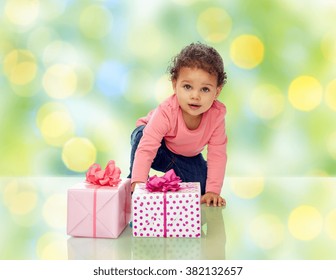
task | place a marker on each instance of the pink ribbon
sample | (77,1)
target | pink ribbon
(94,217)
(109,177)
(168,182)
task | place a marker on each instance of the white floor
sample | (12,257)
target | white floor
(265,218)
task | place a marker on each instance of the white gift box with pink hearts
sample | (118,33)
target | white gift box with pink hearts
(167,214)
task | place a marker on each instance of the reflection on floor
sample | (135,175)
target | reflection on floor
(265,218)
(210,246)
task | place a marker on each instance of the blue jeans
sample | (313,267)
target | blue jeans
(189,169)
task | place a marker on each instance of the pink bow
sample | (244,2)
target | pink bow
(108,177)
(168,182)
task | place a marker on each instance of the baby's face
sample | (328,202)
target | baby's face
(196,90)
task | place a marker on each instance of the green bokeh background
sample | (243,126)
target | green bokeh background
(75,76)
(117,53)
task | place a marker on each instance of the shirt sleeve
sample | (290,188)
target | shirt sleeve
(153,133)
(217,158)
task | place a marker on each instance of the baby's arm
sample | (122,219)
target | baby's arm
(150,142)
(214,199)
(216,161)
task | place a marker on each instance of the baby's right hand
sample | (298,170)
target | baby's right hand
(211,198)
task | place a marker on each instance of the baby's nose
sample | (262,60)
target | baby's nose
(194,94)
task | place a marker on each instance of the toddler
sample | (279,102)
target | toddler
(174,134)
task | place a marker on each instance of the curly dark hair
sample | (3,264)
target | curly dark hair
(201,56)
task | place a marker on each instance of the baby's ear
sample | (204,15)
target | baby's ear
(174,84)
(218,90)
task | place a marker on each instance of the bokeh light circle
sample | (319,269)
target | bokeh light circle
(305,93)
(305,222)
(40,37)
(266,231)
(23,203)
(58,52)
(214,25)
(85,79)
(95,21)
(22,13)
(57,127)
(48,108)
(51,246)
(78,154)
(112,78)
(247,51)
(267,101)
(330,224)
(10,191)
(55,219)
(109,144)
(60,81)
(21,199)
(20,67)
(146,42)
(330,95)
(248,188)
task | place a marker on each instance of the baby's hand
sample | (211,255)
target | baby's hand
(215,199)
(133,186)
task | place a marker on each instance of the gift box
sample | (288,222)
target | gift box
(167,213)
(98,211)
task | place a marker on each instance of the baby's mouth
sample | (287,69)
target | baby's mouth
(194,106)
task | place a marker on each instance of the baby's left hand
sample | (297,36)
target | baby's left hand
(215,199)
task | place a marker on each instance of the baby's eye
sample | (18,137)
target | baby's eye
(205,89)
(187,86)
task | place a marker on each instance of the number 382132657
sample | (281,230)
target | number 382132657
(234,270)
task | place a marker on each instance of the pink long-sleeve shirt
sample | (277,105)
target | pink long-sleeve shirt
(166,122)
